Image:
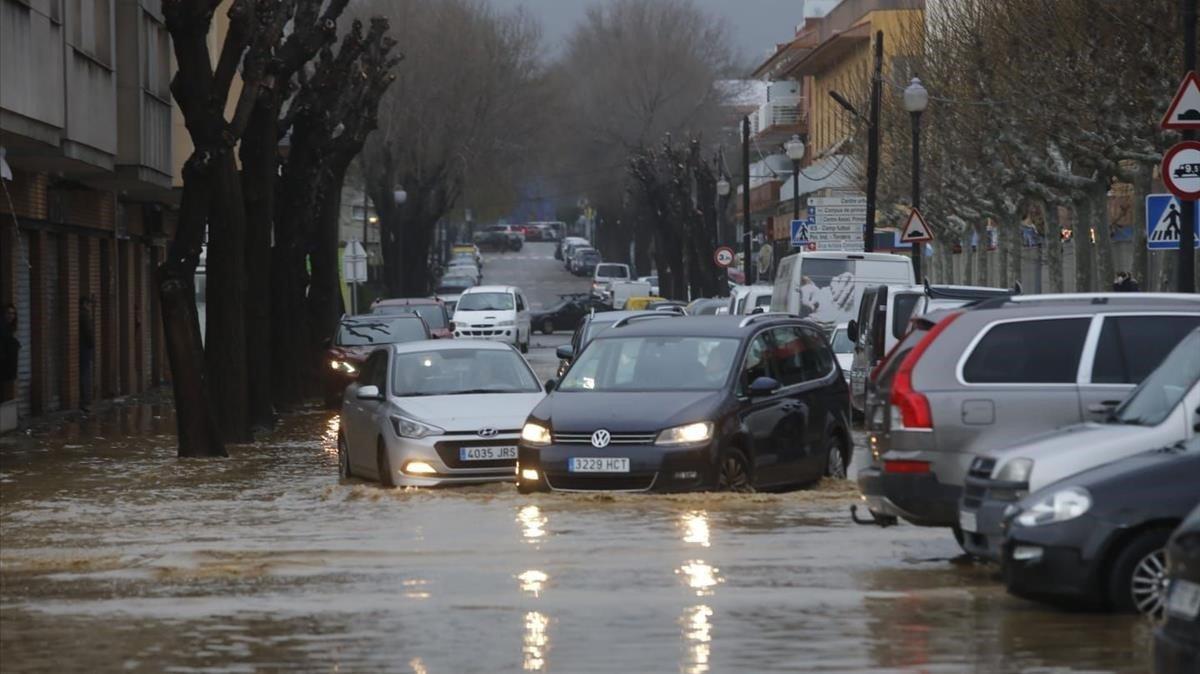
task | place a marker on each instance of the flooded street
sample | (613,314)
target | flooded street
(119,557)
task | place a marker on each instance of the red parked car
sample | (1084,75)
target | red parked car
(357,337)
(431,309)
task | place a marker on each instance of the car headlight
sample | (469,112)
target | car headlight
(688,434)
(411,428)
(1017,470)
(535,434)
(505,324)
(342,366)
(1062,505)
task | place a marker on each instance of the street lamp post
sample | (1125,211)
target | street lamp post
(723,237)
(795,152)
(746,254)
(916,99)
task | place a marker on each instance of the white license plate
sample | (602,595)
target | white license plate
(966,521)
(606,464)
(1183,599)
(486,453)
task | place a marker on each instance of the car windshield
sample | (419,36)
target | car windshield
(611,271)
(652,364)
(1152,401)
(380,330)
(455,284)
(841,342)
(461,372)
(432,313)
(485,302)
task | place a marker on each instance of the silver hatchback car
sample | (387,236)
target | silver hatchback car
(967,381)
(434,413)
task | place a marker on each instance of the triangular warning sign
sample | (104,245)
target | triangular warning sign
(1168,227)
(915,230)
(1184,111)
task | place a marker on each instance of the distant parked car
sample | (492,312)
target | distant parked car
(564,313)
(1177,639)
(652,280)
(357,337)
(1099,538)
(843,349)
(706,306)
(670,306)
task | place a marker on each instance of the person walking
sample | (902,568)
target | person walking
(87,351)
(10,351)
(1125,283)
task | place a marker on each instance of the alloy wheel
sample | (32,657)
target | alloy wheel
(1148,585)
(836,468)
(733,475)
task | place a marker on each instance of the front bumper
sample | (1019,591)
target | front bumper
(442,453)
(917,498)
(981,515)
(506,333)
(651,468)
(1056,562)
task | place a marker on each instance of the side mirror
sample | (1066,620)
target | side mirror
(852,330)
(763,386)
(758,310)
(565,352)
(1104,409)
(369,392)
(549,385)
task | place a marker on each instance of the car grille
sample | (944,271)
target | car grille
(448,451)
(973,494)
(577,482)
(617,438)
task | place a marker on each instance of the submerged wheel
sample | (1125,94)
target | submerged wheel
(384,465)
(733,472)
(1138,581)
(548,327)
(343,457)
(836,461)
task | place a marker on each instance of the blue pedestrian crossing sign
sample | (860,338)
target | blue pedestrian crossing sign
(800,236)
(1164,222)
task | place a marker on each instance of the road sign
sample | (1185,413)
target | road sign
(834,223)
(800,233)
(1181,169)
(723,256)
(838,201)
(915,230)
(1184,111)
(354,263)
(1164,222)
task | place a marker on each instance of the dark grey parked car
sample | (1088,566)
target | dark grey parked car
(967,381)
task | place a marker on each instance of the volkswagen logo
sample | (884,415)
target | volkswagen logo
(486,432)
(601,438)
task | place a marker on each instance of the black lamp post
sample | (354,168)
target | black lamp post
(795,152)
(916,99)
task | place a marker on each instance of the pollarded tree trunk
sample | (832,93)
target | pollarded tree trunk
(1105,268)
(1054,247)
(968,253)
(983,277)
(1081,239)
(325,297)
(1142,177)
(1005,236)
(1016,245)
(259,157)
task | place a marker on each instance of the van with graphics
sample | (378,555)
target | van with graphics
(828,287)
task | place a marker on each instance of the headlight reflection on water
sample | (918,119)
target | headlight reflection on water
(533,522)
(533,580)
(537,642)
(695,528)
(700,577)
(329,437)
(697,635)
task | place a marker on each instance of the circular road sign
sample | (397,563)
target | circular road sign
(1181,170)
(723,256)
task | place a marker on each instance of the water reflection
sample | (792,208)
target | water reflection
(417,666)
(532,581)
(329,437)
(697,638)
(413,589)
(533,522)
(537,643)
(695,528)
(700,577)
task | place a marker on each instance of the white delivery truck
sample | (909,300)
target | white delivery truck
(827,287)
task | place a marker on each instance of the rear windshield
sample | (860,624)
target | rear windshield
(380,330)
(454,284)
(432,313)
(612,271)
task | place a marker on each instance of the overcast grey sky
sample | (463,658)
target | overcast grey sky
(754,25)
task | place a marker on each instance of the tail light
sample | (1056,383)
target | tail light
(906,467)
(912,405)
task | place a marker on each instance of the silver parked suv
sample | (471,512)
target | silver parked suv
(967,381)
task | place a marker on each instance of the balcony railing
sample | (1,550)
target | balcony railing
(784,113)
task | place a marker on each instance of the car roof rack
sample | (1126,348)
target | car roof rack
(629,319)
(969,293)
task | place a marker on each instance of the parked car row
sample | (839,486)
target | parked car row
(1053,434)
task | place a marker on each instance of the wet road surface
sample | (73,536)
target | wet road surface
(116,556)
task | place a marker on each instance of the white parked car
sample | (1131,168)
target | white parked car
(746,299)
(499,313)
(432,413)
(843,349)
(653,281)
(464,267)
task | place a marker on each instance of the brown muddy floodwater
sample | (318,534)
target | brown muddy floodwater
(116,556)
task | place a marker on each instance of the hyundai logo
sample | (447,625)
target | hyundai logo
(486,432)
(601,438)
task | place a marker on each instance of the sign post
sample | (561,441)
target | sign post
(1184,115)
(917,233)
(354,270)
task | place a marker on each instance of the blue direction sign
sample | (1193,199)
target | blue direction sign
(800,234)
(1164,220)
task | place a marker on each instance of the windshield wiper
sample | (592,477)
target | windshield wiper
(481,390)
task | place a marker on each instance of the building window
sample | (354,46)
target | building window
(91,29)
(156,66)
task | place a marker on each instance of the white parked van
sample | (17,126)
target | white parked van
(749,299)
(498,313)
(827,287)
